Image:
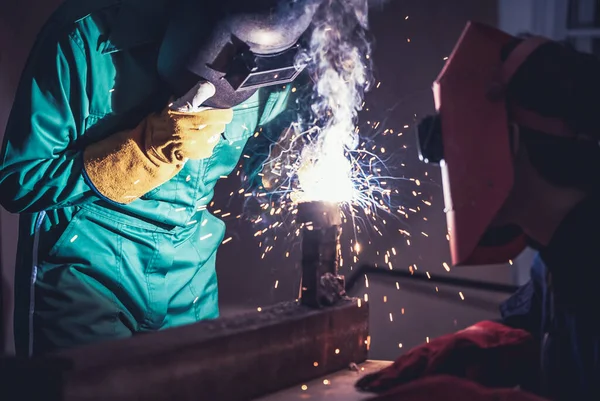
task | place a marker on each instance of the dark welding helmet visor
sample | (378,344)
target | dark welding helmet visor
(237,45)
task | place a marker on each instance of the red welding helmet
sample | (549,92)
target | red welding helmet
(469,138)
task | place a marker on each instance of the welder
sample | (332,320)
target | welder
(127,114)
(517,137)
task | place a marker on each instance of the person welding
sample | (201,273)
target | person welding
(517,137)
(127,114)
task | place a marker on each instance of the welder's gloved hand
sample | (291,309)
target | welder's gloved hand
(451,388)
(489,353)
(131,163)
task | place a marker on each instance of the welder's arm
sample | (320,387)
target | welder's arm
(42,162)
(41,167)
(126,165)
(265,146)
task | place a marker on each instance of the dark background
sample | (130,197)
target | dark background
(406,70)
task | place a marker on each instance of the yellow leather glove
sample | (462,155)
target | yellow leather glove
(130,163)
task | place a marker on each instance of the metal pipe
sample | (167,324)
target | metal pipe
(455,281)
(320,223)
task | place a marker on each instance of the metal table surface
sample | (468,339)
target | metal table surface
(337,386)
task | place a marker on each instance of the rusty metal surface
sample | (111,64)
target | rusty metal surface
(231,359)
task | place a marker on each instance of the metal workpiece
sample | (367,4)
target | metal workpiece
(236,358)
(320,223)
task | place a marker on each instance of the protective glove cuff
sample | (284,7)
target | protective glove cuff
(121,169)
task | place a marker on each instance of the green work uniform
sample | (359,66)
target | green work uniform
(89,269)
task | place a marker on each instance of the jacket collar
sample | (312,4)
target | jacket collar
(137,22)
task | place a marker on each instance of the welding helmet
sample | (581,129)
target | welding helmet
(238,45)
(469,138)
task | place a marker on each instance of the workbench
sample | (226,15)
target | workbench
(338,386)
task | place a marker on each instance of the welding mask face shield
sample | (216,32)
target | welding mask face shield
(237,45)
(470,139)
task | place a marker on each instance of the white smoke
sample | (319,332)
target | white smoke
(338,57)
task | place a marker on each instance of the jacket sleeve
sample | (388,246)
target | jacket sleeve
(41,165)
(260,147)
(523,310)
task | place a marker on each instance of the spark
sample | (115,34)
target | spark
(227,240)
(326,382)
(391,318)
(337,351)
(259,309)
(315,364)
(446,266)
(461,296)
(276,283)
(399,345)
(304,387)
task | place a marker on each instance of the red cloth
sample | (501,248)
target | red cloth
(450,388)
(489,353)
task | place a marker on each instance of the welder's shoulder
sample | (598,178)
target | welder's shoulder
(83,22)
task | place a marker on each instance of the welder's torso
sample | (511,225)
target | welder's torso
(151,263)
